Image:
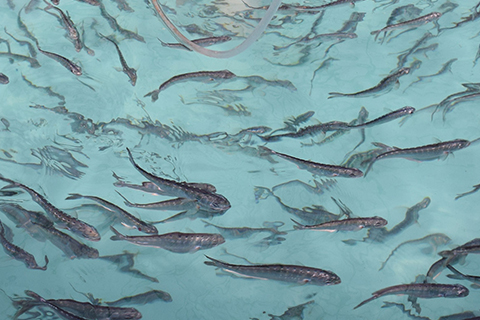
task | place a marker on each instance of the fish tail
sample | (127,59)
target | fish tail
(117,236)
(127,203)
(2,230)
(266,151)
(73,196)
(163,43)
(46,263)
(369,166)
(366,301)
(298,225)
(335,95)
(209,263)
(213,262)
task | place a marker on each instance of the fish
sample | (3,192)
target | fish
(127,219)
(433,240)
(402,112)
(4,79)
(66,221)
(198,75)
(386,84)
(349,224)
(175,241)
(209,201)
(280,272)
(243,232)
(18,253)
(130,72)
(172,204)
(309,130)
(18,57)
(293,122)
(142,298)
(31,48)
(475,189)
(319,169)
(63,313)
(66,21)
(421,290)
(428,152)
(433,16)
(204,42)
(25,219)
(72,67)
(460,276)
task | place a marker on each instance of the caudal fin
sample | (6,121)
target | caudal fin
(73,196)
(117,236)
(366,301)
(298,225)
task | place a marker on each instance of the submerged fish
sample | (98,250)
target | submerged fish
(279,272)
(76,70)
(130,72)
(175,241)
(319,169)
(18,253)
(386,84)
(402,112)
(244,232)
(421,290)
(142,298)
(172,204)
(349,224)
(4,79)
(409,23)
(475,189)
(204,42)
(198,75)
(63,313)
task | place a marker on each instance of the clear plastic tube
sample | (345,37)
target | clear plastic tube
(254,36)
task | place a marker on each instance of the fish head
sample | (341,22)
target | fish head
(218,204)
(132,74)
(455,291)
(147,228)
(218,239)
(436,15)
(76,70)
(355,173)
(165,296)
(228,74)
(379,222)
(425,202)
(324,278)
(91,253)
(404,70)
(90,233)
(446,253)
(461,143)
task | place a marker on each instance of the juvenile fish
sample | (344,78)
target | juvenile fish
(279,272)
(386,84)
(421,290)
(350,224)
(410,23)
(67,22)
(173,204)
(475,189)
(142,298)
(319,168)
(18,253)
(309,130)
(428,152)
(460,276)
(208,201)
(63,313)
(130,72)
(68,222)
(4,79)
(175,241)
(204,42)
(402,112)
(25,219)
(127,219)
(242,232)
(76,70)
(198,75)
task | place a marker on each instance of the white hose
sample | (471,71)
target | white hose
(257,32)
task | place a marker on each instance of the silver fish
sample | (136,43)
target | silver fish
(63,313)
(76,70)
(175,241)
(309,130)
(126,218)
(142,298)
(242,232)
(428,152)
(25,219)
(204,42)
(460,276)
(350,224)
(130,72)
(68,222)
(421,290)
(320,169)
(410,23)
(208,201)
(67,22)
(18,253)
(172,204)
(386,84)
(402,112)
(279,272)
(198,75)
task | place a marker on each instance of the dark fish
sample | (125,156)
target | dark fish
(361,160)
(67,22)
(76,70)
(26,219)
(293,122)
(68,222)
(410,23)
(279,272)
(386,84)
(475,189)
(123,6)
(208,201)
(4,79)
(319,169)
(467,315)
(242,232)
(349,224)
(428,152)
(402,112)
(198,75)
(18,253)
(310,130)
(130,72)
(127,219)
(421,290)
(175,241)
(434,240)
(204,42)
(142,298)
(63,313)
(173,204)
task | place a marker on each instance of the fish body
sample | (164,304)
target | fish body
(76,226)
(320,169)
(409,23)
(421,290)
(63,313)
(279,272)
(310,130)
(4,79)
(26,219)
(208,201)
(350,224)
(204,42)
(385,84)
(175,241)
(126,218)
(18,253)
(198,75)
(72,67)
(67,22)
(402,112)
(130,72)
(142,298)
(172,204)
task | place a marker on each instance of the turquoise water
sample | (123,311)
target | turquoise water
(40,144)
